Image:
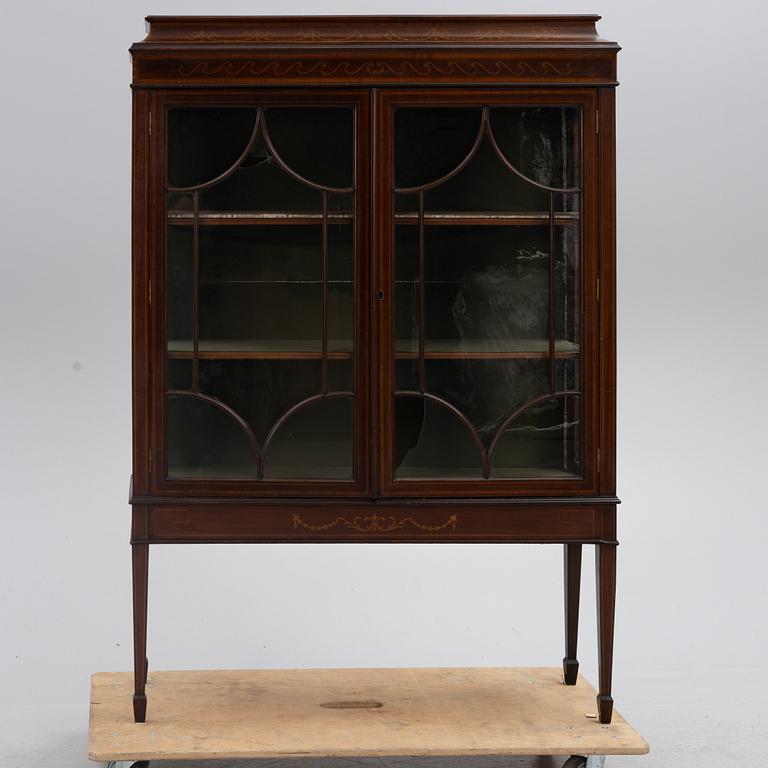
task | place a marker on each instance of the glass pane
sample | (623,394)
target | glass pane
(432,441)
(178,292)
(260,292)
(259,187)
(314,441)
(204,143)
(485,185)
(239,382)
(261,288)
(487,311)
(541,142)
(341,281)
(316,142)
(542,442)
(432,142)
(206,440)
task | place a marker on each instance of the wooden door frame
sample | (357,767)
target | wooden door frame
(382,250)
(159,485)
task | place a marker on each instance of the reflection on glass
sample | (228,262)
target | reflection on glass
(260,293)
(433,440)
(487,267)
(541,142)
(540,442)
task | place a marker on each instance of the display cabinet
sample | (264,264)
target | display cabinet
(373,289)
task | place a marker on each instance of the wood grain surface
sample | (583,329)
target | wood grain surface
(334,712)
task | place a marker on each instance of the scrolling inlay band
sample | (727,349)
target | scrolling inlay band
(353,68)
(391,35)
(375,523)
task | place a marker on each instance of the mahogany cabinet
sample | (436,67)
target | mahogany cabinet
(373,289)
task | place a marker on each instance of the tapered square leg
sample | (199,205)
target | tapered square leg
(572,573)
(140,553)
(605,568)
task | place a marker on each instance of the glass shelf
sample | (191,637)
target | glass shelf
(442,218)
(248,472)
(408,473)
(486,349)
(250,218)
(489,218)
(225,281)
(260,349)
(341,349)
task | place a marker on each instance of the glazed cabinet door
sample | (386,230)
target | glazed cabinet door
(260,265)
(486,275)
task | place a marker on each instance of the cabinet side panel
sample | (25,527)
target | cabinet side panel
(607,206)
(139,289)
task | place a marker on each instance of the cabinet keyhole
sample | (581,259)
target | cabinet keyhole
(379,295)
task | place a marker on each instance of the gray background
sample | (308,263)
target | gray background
(690,663)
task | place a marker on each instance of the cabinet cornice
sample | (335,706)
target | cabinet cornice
(373,51)
(368,30)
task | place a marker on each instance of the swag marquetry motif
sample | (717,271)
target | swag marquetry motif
(376,523)
(366,256)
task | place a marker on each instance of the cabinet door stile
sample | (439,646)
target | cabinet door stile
(362,327)
(607,234)
(140,299)
(156,337)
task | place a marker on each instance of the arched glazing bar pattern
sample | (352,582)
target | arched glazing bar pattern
(485,131)
(229,411)
(486,453)
(261,129)
(257,126)
(260,451)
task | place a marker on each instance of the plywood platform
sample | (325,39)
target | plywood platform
(352,713)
